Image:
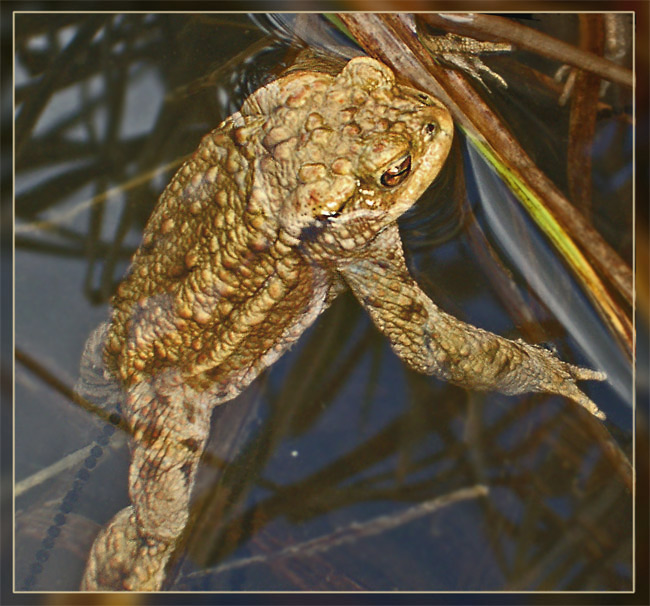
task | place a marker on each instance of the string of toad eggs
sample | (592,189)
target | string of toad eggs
(68,503)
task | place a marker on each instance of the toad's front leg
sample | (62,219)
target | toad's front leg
(170,427)
(433,342)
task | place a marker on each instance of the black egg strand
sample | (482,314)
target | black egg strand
(68,502)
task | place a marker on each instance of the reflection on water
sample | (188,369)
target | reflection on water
(328,473)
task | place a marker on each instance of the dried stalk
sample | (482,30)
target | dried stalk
(582,121)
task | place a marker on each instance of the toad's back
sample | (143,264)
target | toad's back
(228,273)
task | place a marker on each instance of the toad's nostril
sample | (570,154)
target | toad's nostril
(429,128)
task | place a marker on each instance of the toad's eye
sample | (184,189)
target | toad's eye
(397,173)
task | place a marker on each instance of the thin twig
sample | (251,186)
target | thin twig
(354,531)
(64,217)
(33,107)
(480,25)
(59,386)
(72,460)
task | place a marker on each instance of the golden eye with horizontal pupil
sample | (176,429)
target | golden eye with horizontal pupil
(397,173)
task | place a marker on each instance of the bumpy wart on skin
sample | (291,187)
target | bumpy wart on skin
(283,206)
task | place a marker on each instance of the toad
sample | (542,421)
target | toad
(284,205)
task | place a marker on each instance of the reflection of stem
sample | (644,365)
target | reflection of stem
(65,250)
(55,383)
(560,558)
(355,531)
(502,281)
(73,459)
(113,192)
(611,450)
(34,106)
(557,87)
(297,393)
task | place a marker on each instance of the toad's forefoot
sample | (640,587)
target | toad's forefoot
(555,376)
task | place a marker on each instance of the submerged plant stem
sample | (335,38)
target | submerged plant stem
(355,531)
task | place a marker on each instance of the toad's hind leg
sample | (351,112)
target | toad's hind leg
(170,429)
